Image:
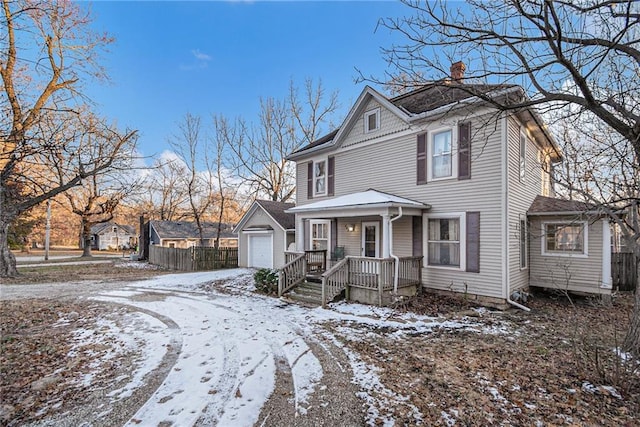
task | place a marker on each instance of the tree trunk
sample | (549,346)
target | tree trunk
(86,238)
(631,342)
(7,259)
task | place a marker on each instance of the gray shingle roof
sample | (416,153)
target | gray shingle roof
(189,230)
(542,205)
(427,98)
(99,228)
(277,212)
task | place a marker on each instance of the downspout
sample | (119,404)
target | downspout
(505,211)
(391,254)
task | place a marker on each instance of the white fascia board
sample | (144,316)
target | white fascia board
(245,217)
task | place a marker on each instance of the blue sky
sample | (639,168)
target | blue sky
(206,57)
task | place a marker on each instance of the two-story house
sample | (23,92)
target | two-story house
(432,188)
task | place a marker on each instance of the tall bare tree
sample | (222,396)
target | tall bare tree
(584,55)
(192,148)
(98,196)
(46,82)
(283,126)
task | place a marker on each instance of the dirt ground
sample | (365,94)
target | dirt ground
(553,366)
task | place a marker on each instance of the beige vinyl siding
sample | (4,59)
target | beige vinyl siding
(578,274)
(403,237)
(389,123)
(261,219)
(520,197)
(390,166)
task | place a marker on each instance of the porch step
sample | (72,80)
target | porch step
(307,293)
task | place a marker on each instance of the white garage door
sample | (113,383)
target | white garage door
(260,251)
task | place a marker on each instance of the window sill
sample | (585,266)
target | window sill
(445,178)
(444,267)
(564,255)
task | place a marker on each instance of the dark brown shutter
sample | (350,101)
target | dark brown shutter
(307,235)
(421,159)
(331,169)
(473,242)
(417,235)
(334,235)
(464,150)
(310,180)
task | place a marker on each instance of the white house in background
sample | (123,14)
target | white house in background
(112,236)
(265,232)
(437,188)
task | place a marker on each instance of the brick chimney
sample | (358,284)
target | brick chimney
(457,71)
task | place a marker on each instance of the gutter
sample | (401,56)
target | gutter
(391,254)
(505,222)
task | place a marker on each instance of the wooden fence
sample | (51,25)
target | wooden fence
(624,271)
(197,258)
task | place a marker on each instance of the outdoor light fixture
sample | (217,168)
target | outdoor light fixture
(350,227)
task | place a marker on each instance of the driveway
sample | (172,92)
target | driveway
(198,356)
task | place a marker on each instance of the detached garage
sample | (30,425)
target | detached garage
(264,234)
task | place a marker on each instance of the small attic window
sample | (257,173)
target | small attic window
(372,120)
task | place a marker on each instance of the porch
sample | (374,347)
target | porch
(363,279)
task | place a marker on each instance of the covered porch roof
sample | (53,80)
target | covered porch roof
(362,203)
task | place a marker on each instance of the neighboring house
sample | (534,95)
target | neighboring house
(432,188)
(185,234)
(265,232)
(110,235)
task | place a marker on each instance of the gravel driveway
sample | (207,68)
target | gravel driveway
(193,356)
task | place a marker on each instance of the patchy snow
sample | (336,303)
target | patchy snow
(230,347)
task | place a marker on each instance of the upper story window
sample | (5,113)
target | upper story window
(564,239)
(441,155)
(320,178)
(523,155)
(372,120)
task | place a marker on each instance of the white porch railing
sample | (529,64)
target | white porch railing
(293,273)
(369,273)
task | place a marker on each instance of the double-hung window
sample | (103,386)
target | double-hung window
(523,155)
(320,234)
(441,155)
(565,238)
(524,243)
(319,178)
(444,242)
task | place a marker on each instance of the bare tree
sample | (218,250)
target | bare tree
(284,126)
(46,82)
(191,147)
(556,53)
(97,197)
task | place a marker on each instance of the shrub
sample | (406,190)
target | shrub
(266,280)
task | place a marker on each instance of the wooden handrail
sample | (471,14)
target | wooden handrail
(335,280)
(293,273)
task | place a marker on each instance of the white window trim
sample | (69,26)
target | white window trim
(320,221)
(526,243)
(326,176)
(585,240)
(462,217)
(454,154)
(376,112)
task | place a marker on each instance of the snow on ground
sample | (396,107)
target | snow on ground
(231,345)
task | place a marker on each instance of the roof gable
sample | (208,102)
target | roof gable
(275,210)
(99,228)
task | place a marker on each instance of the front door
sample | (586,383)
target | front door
(371,239)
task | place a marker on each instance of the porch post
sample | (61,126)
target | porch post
(299,234)
(385,236)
